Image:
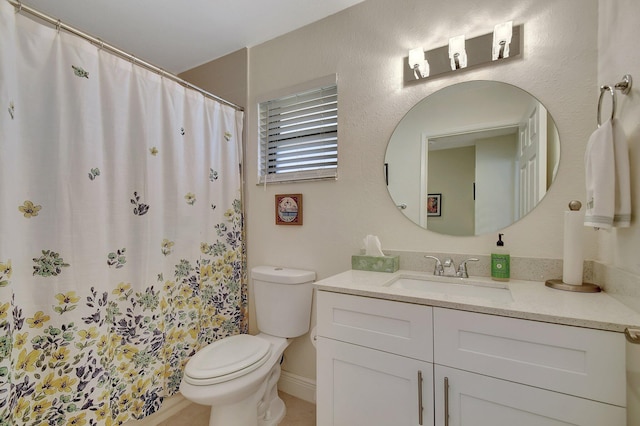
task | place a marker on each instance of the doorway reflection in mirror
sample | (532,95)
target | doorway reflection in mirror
(491,147)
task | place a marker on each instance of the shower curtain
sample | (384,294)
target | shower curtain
(121,229)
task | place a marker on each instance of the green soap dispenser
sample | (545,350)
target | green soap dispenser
(500,262)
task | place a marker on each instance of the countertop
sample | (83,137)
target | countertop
(530,300)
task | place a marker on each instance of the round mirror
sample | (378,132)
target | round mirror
(472,158)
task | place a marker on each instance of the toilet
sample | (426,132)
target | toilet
(238,375)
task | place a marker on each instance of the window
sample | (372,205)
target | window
(299,136)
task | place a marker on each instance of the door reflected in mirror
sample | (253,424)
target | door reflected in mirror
(489,150)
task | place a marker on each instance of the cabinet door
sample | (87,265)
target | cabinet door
(362,386)
(477,400)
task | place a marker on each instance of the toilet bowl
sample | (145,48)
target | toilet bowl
(250,397)
(238,375)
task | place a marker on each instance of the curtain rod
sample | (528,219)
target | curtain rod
(96,41)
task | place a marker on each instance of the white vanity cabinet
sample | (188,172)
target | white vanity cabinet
(374,362)
(492,370)
(472,399)
(476,369)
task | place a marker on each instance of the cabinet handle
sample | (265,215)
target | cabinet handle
(446,401)
(632,334)
(420,408)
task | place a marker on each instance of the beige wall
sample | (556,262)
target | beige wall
(458,207)
(225,77)
(618,37)
(366,46)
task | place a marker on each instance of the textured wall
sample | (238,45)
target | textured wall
(365,46)
(618,33)
(618,55)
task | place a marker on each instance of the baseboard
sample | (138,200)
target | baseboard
(297,386)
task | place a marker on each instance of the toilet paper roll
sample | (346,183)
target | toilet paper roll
(572,251)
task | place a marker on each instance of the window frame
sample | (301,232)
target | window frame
(315,151)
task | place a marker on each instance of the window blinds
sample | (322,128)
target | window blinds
(299,136)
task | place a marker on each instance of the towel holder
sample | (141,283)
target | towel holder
(623,86)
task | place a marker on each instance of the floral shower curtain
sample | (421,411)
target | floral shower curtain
(121,233)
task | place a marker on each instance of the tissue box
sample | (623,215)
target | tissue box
(375,263)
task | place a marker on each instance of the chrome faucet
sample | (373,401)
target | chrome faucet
(448,267)
(438,270)
(462,269)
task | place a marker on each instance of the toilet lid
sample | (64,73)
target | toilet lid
(228,358)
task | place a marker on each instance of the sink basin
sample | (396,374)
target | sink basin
(465,287)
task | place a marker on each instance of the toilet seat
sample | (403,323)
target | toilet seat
(227,359)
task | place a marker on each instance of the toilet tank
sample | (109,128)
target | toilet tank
(283,299)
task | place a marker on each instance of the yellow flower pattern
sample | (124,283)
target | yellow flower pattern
(27,360)
(89,334)
(104,293)
(122,289)
(39,408)
(78,420)
(47,385)
(29,210)
(65,383)
(167,246)
(190,198)
(4,308)
(5,273)
(38,320)
(66,302)
(128,348)
(22,406)
(69,297)
(20,340)
(61,354)
(5,268)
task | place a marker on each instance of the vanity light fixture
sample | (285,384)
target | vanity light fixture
(500,46)
(457,52)
(502,34)
(418,63)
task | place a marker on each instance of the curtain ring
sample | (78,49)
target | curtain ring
(603,89)
(58,25)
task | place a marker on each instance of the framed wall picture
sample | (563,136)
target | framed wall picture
(434,205)
(289,209)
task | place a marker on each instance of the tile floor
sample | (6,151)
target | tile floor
(299,413)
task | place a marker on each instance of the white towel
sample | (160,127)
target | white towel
(622,211)
(600,178)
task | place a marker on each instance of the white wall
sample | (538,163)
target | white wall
(619,33)
(495,183)
(365,45)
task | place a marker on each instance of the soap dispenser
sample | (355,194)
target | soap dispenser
(500,261)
